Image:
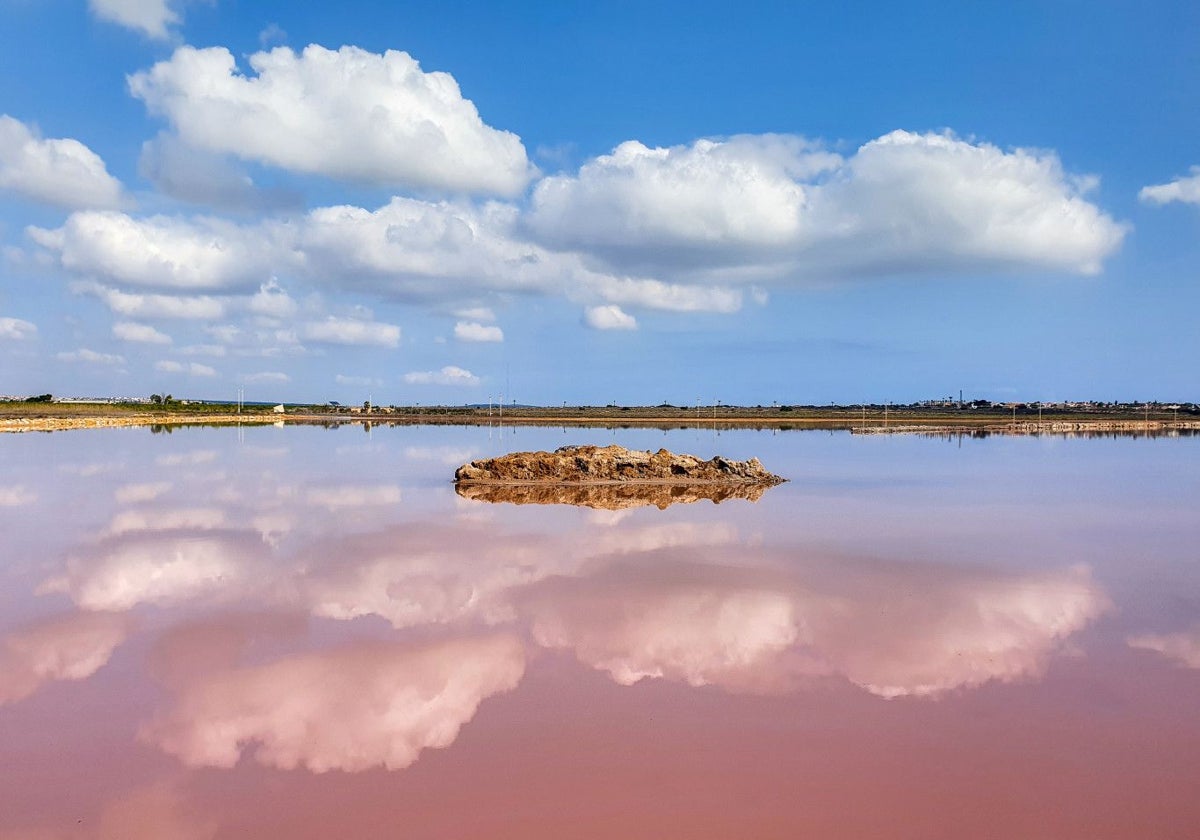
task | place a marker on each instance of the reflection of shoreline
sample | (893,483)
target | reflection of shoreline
(1153,429)
(610,495)
(726,418)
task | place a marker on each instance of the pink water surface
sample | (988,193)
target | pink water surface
(298,633)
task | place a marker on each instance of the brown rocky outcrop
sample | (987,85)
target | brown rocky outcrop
(612,464)
(610,495)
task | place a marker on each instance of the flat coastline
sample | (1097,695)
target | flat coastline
(47,417)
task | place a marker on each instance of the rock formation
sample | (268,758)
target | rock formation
(610,495)
(612,464)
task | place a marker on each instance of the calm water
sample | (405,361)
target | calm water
(303,632)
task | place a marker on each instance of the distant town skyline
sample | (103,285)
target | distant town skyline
(608,204)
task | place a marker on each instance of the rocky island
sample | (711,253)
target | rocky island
(611,477)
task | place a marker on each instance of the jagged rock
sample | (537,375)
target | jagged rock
(612,464)
(610,495)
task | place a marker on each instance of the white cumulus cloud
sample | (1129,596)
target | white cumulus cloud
(161,252)
(476,313)
(345,113)
(273,301)
(191,368)
(61,172)
(266,377)
(449,375)
(357,381)
(139,333)
(443,254)
(1185,189)
(150,17)
(205,178)
(769,207)
(90,357)
(473,331)
(427,252)
(16,329)
(610,317)
(137,305)
(351,331)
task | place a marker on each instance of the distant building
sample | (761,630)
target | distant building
(278,409)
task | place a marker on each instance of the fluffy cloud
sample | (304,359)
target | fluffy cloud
(347,114)
(63,172)
(201,177)
(449,375)
(358,381)
(778,208)
(350,709)
(90,357)
(272,301)
(434,251)
(409,250)
(687,229)
(668,297)
(15,329)
(191,368)
(476,313)
(609,317)
(418,250)
(266,377)
(1186,190)
(150,17)
(351,331)
(1183,648)
(162,252)
(472,331)
(139,333)
(135,305)
(71,647)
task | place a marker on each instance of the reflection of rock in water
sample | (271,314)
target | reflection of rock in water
(611,495)
(613,463)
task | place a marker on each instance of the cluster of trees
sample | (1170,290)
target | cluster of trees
(161,399)
(41,398)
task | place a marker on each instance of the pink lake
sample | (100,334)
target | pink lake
(305,633)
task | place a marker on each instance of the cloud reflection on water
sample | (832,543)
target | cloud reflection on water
(1183,647)
(62,647)
(162,567)
(362,706)
(892,629)
(464,602)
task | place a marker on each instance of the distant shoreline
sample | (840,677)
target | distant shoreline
(27,417)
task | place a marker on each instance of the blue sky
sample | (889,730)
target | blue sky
(623,202)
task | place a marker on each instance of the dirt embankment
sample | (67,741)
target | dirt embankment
(57,424)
